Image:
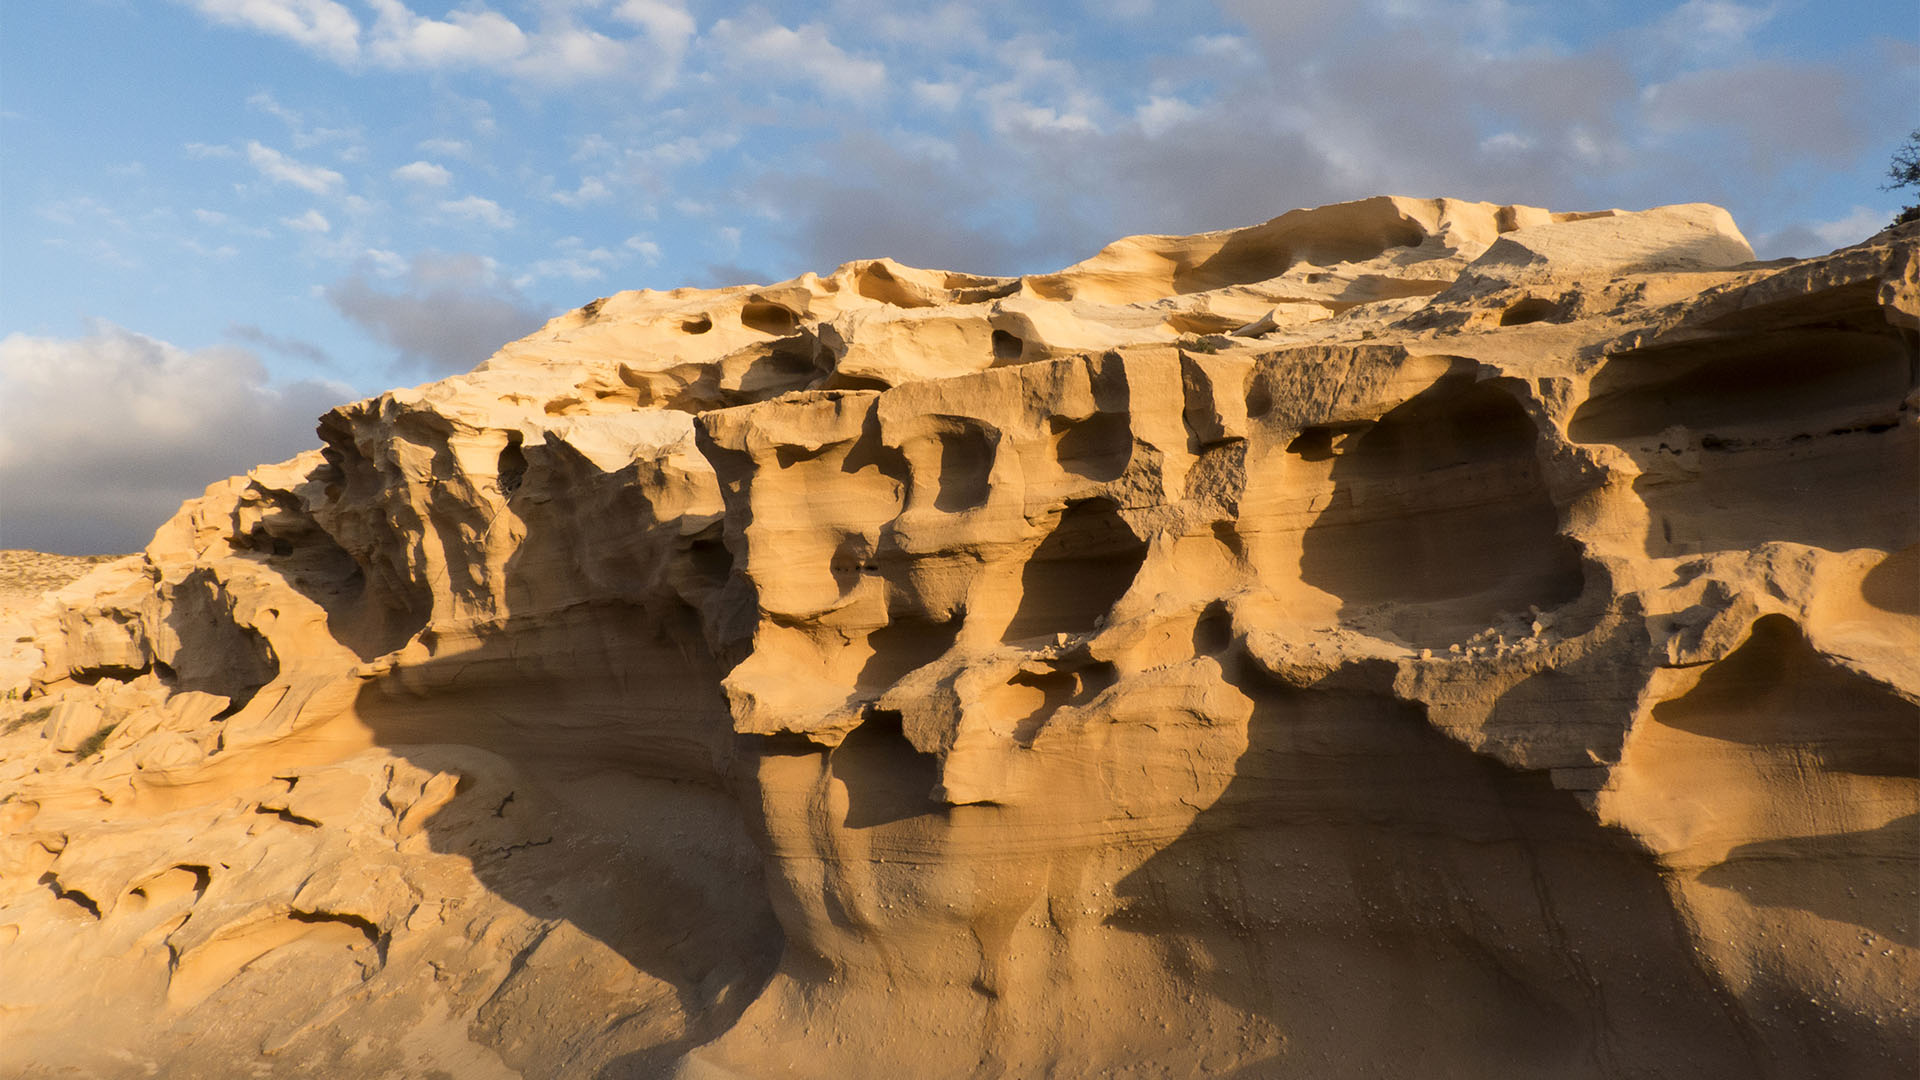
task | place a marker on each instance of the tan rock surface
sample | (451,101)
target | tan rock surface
(26,579)
(1408,637)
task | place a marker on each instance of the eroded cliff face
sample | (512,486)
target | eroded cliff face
(1408,637)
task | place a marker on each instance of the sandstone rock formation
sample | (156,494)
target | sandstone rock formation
(1408,637)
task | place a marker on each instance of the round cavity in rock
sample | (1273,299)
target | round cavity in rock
(1531,310)
(768,318)
(1439,514)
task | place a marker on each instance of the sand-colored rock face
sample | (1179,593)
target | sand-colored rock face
(1406,638)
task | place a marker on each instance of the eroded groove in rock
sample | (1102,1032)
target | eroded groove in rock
(1410,636)
(1438,514)
(1072,580)
(1740,437)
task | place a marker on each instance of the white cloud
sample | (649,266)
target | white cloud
(222,251)
(472,36)
(577,262)
(570,54)
(1020,116)
(1713,25)
(806,53)
(321,26)
(385,263)
(454,148)
(479,114)
(1819,237)
(912,144)
(270,105)
(1163,114)
(280,168)
(573,269)
(663,20)
(101,437)
(926,30)
(474,208)
(313,221)
(591,190)
(304,135)
(79,208)
(1225,47)
(1509,142)
(648,251)
(668,26)
(204,150)
(1042,95)
(1861,223)
(944,96)
(479,38)
(594,145)
(98,249)
(688,149)
(424,173)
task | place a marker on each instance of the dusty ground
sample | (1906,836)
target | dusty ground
(25,579)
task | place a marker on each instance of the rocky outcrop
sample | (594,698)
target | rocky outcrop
(1408,636)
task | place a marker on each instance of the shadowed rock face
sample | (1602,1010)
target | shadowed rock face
(1408,637)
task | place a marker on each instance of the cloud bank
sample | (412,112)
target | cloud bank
(103,436)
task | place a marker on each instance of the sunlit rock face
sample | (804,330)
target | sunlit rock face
(1407,637)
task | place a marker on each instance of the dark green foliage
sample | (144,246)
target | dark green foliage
(1904,172)
(91,745)
(31,716)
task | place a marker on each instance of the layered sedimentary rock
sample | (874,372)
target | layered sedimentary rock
(1408,637)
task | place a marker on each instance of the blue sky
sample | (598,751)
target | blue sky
(219,217)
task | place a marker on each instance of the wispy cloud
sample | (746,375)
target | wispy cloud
(325,27)
(591,190)
(1162,114)
(668,27)
(471,38)
(303,134)
(313,221)
(81,208)
(648,251)
(424,173)
(1713,26)
(478,209)
(280,343)
(1819,237)
(282,169)
(453,148)
(559,50)
(806,53)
